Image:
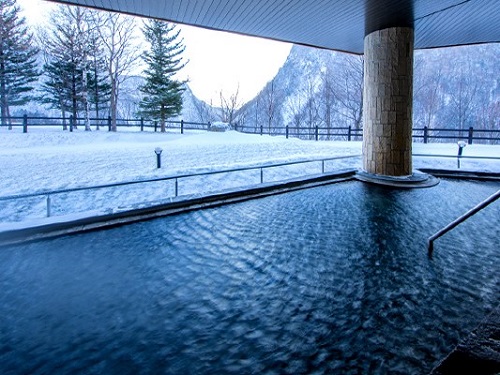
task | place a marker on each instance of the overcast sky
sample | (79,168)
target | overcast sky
(218,60)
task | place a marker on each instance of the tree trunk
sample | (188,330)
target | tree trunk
(3,94)
(73,101)
(113,103)
(96,96)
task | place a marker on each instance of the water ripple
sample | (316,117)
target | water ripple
(333,279)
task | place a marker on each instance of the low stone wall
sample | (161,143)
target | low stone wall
(479,353)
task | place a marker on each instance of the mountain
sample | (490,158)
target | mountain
(313,88)
(194,110)
(454,87)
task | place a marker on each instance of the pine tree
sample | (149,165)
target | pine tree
(56,87)
(68,65)
(99,87)
(162,93)
(17,59)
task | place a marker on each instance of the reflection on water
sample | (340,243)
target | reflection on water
(332,279)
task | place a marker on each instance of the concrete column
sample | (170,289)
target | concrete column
(387,100)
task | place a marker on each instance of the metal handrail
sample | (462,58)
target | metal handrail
(48,193)
(455,156)
(461,219)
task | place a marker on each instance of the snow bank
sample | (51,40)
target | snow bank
(52,160)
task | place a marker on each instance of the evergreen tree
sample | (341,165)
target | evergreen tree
(17,59)
(99,88)
(56,87)
(68,67)
(162,93)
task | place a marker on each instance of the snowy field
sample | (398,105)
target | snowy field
(50,159)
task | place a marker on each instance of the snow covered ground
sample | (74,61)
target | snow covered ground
(50,159)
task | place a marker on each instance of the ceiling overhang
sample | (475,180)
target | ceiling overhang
(332,24)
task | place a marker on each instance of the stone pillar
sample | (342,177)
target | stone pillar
(387,99)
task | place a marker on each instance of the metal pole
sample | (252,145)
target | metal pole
(261,175)
(322,166)
(461,219)
(176,187)
(48,205)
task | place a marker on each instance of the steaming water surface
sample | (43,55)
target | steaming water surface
(334,279)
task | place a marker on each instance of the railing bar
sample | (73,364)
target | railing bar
(124,183)
(461,219)
(455,156)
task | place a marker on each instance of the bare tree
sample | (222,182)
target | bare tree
(427,92)
(229,105)
(312,105)
(327,100)
(270,98)
(462,97)
(295,110)
(204,111)
(348,90)
(121,53)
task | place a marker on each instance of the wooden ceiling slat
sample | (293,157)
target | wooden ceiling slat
(331,24)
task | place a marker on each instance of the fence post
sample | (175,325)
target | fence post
(156,125)
(48,205)
(25,123)
(471,134)
(261,129)
(182,126)
(109,123)
(426,133)
(349,133)
(71,123)
(316,132)
(286,131)
(142,124)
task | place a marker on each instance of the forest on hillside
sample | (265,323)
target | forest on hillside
(456,87)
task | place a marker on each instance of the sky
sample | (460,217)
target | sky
(218,61)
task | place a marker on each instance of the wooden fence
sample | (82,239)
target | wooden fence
(347,133)
(69,124)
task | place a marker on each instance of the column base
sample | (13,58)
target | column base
(414,181)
